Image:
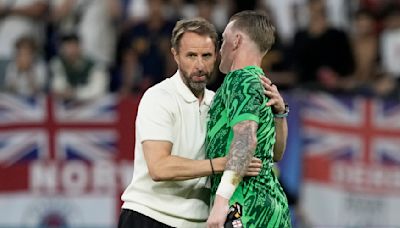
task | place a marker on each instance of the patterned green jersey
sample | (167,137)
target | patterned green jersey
(240,98)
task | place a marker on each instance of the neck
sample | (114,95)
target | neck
(246,58)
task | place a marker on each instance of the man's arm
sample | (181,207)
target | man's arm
(243,146)
(156,121)
(241,151)
(281,132)
(166,167)
(278,106)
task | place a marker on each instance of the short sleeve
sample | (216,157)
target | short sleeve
(245,99)
(155,118)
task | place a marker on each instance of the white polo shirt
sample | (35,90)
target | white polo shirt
(169,111)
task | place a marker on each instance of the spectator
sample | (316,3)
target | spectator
(389,82)
(128,79)
(75,77)
(276,66)
(96,23)
(25,74)
(322,54)
(365,49)
(19,18)
(148,42)
(215,11)
(390,43)
(365,45)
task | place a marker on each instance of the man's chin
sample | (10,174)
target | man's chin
(199,85)
(222,68)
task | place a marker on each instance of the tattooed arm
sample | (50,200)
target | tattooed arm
(242,147)
(240,154)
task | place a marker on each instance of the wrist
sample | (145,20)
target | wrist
(219,164)
(282,114)
(220,200)
(229,181)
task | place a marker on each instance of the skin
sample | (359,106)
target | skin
(243,145)
(195,58)
(278,106)
(228,45)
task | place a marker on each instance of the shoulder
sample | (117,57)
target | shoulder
(245,81)
(162,93)
(246,76)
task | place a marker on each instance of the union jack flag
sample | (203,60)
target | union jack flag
(351,133)
(57,157)
(42,128)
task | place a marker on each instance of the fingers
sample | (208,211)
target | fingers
(267,84)
(256,160)
(266,80)
(268,93)
(270,102)
(254,165)
(252,174)
(254,168)
(270,88)
(253,171)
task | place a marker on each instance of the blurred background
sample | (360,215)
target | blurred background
(72,73)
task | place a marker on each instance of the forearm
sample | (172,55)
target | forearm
(241,151)
(173,168)
(242,147)
(281,131)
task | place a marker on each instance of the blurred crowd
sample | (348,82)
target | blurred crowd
(82,49)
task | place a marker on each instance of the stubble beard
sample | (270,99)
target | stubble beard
(197,88)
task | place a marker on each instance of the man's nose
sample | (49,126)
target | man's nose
(200,63)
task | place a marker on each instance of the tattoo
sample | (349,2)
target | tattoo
(243,146)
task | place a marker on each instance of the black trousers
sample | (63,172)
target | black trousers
(133,219)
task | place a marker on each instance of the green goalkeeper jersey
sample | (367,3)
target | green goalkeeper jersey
(241,98)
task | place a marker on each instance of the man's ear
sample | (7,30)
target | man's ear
(175,54)
(237,41)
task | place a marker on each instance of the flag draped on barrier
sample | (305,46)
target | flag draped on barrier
(351,163)
(64,164)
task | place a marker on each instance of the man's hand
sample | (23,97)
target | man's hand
(254,168)
(218,213)
(275,99)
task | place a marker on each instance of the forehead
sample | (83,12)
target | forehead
(193,41)
(228,28)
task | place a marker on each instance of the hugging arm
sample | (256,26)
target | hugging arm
(241,152)
(278,107)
